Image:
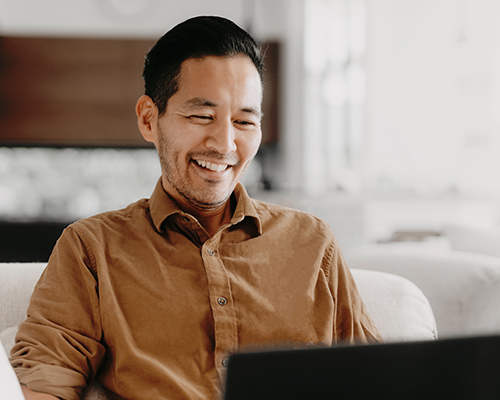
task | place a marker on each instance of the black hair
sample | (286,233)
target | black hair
(196,37)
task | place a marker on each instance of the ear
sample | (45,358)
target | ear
(147,119)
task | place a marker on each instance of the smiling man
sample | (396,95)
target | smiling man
(208,134)
(149,301)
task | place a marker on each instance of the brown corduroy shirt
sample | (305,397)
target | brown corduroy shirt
(146,302)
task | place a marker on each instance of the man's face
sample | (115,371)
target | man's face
(210,130)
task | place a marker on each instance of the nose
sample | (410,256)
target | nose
(221,137)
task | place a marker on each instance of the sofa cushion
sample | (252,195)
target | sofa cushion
(398,307)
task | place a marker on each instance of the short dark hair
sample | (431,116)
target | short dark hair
(196,37)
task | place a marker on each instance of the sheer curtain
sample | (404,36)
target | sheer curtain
(334,93)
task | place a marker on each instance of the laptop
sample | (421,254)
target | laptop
(461,368)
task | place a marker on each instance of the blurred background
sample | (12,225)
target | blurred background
(381,116)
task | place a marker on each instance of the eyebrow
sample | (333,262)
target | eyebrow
(200,102)
(253,111)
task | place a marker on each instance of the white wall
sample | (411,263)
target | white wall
(130,18)
(433,106)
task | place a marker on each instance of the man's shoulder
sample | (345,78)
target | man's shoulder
(287,216)
(277,210)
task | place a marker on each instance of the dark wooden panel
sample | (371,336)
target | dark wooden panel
(70,91)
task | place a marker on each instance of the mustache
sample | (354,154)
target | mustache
(231,158)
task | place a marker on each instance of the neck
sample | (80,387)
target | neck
(212,220)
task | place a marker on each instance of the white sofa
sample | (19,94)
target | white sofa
(398,307)
(462,287)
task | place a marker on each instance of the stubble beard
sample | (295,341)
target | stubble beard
(171,171)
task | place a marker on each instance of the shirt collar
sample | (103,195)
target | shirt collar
(162,206)
(245,208)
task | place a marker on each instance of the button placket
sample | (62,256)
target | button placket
(225,326)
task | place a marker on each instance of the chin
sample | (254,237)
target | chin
(215,193)
(209,200)
(214,201)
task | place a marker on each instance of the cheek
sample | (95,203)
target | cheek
(250,144)
(178,140)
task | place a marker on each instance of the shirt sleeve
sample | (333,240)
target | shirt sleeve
(352,323)
(58,349)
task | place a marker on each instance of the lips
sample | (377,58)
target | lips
(212,166)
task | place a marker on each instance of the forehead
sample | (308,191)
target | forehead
(218,76)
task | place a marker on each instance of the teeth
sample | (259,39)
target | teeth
(212,166)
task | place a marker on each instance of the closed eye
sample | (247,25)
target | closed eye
(201,116)
(241,122)
(200,119)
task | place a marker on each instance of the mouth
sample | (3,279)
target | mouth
(211,166)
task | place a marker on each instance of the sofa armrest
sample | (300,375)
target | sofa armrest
(398,307)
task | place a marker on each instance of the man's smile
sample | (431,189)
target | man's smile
(212,166)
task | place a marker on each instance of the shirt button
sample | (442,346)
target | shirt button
(225,361)
(222,301)
(211,252)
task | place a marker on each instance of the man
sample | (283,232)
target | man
(152,299)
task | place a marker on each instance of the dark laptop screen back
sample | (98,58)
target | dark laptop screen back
(466,368)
